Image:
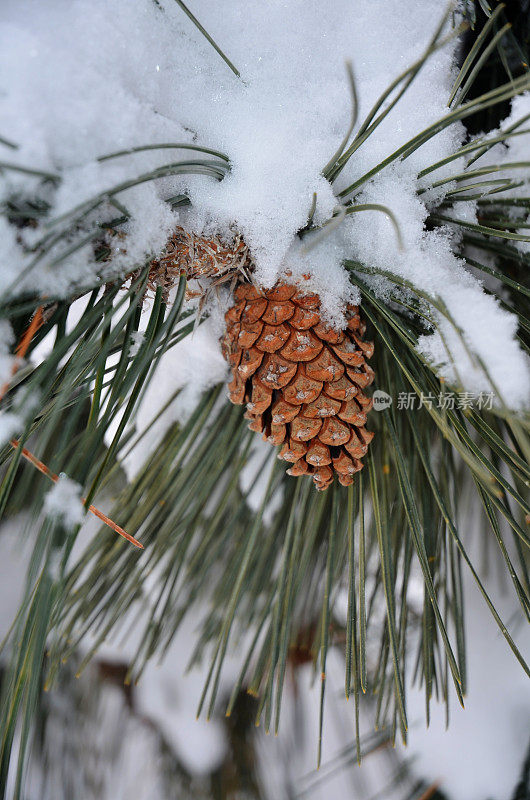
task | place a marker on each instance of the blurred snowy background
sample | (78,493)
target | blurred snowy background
(106,741)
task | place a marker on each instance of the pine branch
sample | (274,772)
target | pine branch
(210,553)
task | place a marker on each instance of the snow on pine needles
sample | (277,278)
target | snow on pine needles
(83,80)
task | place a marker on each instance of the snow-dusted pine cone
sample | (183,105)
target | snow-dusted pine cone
(302,380)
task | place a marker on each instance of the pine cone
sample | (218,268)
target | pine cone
(198,257)
(215,258)
(301,379)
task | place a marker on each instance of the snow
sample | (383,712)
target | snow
(137,338)
(481,753)
(89,78)
(63,502)
(24,405)
(173,705)
(6,342)
(187,370)
(10,424)
(475,328)
(254,479)
(515,151)
(507,366)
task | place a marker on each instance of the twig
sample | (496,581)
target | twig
(53,477)
(22,347)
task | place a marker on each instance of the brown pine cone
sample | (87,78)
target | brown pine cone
(301,379)
(189,254)
(198,257)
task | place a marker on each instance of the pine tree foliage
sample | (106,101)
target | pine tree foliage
(262,586)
